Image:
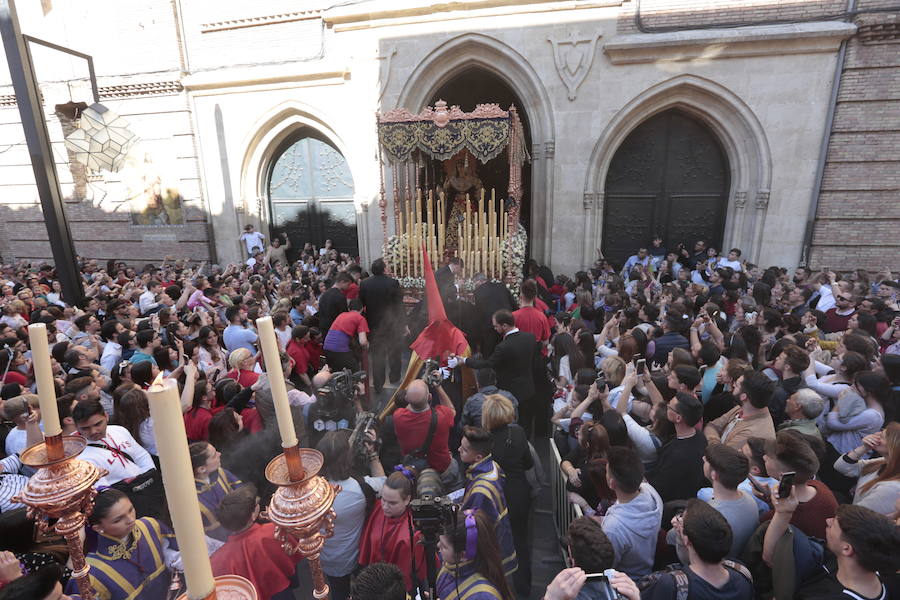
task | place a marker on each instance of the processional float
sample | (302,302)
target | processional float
(456,216)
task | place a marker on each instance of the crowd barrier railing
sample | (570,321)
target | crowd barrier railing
(564,512)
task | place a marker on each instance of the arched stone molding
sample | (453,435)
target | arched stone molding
(478,50)
(264,140)
(737,128)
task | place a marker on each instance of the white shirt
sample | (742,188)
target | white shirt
(112,354)
(734,264)
(147,302)
(826,298)
(119,467)
(253,239)
(283,337)
(15,441)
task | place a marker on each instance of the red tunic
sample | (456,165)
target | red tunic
(297,352)
(196,423)
(352,291)
(533,321)
(386,539)
(243,377)
(351,323)
(314,353)
(256,555)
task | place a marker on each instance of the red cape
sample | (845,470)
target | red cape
(440,337)
(387,540)
(256,555)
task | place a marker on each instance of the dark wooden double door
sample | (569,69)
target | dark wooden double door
(669,177)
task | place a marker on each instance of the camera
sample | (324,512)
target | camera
(432,513)
(335,396)
(428,373)
(431,510)
(606,591)
(600,382)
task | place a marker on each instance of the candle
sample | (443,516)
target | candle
(43,374)
(178,481)
(269,347)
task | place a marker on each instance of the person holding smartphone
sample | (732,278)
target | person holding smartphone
(791,452)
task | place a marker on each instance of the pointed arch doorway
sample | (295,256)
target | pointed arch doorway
(474,86)
(671,177)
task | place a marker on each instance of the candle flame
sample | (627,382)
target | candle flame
(159,382)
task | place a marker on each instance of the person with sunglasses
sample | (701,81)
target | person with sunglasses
(838,318)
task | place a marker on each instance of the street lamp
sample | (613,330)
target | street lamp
(21,69)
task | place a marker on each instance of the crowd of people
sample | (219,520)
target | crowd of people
(727,431)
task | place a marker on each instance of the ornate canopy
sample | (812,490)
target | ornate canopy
(441,132)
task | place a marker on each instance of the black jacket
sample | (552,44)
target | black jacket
(489,298)
(512,360)
(784,390)
(380,295)
(331,304)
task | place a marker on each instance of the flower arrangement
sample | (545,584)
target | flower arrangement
(513,249)
(394,252)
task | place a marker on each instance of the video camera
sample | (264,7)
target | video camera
(365,422)
(431,510)
(432,513)
(340,391)
(428,373)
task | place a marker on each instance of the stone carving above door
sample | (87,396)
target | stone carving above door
(574,57)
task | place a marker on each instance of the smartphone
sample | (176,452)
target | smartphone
(757,486)
(606,589)
(786,485)
(641,366)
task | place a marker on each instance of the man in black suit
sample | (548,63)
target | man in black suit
(380,295)
(490,296)
(512,360)
(333,302)
(445,277)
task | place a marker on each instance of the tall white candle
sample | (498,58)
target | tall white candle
(269,347)
(43,374)
(178,481)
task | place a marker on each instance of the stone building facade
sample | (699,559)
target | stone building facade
(642,116)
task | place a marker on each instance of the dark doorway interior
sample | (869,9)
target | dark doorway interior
(478,86)
(670,176)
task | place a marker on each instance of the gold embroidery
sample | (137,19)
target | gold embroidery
(124,549)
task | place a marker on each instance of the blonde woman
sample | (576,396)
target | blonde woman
(242,362)
(513,453)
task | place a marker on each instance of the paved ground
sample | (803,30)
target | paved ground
(546,557)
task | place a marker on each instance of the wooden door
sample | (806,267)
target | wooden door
(669,177)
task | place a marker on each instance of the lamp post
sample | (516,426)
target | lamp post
(21,69)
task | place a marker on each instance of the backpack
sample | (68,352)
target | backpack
(682,583)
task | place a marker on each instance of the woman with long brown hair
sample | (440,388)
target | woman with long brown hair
(472,569)
(878,486)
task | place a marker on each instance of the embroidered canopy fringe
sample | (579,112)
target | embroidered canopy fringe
(442,132)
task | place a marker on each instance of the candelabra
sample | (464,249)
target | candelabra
(62,489)
(230,587)
(302,507)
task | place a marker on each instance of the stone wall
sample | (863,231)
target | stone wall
(858,214)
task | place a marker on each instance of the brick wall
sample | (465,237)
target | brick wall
(858,216)
(688,14)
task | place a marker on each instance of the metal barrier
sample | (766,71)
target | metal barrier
(564,512)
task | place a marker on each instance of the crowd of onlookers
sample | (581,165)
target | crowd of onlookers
(728,431)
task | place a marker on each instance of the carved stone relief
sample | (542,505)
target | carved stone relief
(574,57)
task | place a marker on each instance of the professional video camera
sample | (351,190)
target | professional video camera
(428,372)
(338,392)
(366,423)
(432,512)
(334,408)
